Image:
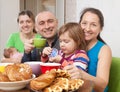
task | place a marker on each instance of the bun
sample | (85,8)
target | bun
(43,80)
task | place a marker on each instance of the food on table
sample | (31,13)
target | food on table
(16,72)
(74,84)
(3,77)
(43,80)
(59,83)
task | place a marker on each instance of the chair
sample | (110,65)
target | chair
(114,81)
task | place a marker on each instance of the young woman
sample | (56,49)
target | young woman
(26,22)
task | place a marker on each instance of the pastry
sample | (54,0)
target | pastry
(18,72)
(3,78)
(74,84)
(59,85)
(43,80)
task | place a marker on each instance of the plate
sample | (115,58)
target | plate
(13,86)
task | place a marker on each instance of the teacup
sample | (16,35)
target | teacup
(39,42)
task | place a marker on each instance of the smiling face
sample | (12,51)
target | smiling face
(46,24)
(26,24)
(91,24)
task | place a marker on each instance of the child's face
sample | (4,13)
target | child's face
(67,44)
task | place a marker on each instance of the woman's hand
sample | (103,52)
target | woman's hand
(28,46)
(73,71)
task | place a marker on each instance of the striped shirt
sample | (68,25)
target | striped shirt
(79,59)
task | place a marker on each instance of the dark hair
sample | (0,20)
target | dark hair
(29,14)
(100,16)
(75,32)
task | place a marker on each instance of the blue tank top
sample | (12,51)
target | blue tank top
(93,57)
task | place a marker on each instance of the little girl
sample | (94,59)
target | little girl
(72,47)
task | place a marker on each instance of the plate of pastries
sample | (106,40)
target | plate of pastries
(15,77)
(55,81)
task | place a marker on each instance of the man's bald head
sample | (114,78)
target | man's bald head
(44,14)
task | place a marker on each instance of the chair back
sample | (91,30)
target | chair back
(114,81)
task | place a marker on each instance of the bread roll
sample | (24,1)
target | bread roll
(18,72)
(43,80)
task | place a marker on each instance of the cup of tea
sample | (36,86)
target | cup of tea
(39,42)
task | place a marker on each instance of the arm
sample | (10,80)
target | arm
(79,59)
(103,70)
(10,60)
(46,51)
(31,56)
(26,57)
(29,52)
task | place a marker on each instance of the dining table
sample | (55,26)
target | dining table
(86,87)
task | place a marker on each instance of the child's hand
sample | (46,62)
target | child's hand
(46,51)
(55,59)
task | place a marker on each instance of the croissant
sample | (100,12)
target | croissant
(43,80)
(56,81)
(18,72)
(3,78)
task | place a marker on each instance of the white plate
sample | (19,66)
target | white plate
(17,85)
